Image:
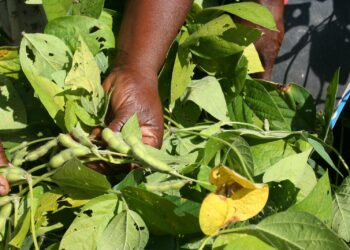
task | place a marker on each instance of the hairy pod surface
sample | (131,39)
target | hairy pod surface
(5,212)
(41,151)
(67,141)
(140,154)
(14,175)
(68,154)
(115,141)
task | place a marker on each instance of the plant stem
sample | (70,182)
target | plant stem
(248,175)
(204,243)
(172,121)
(32,213)
(36,168)
(24,145)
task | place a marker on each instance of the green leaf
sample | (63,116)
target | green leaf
(18,239)
(296,230)
(249,11)
(320,195)
(44,54)
(54,9)
(88,226)
(182,71)
(133,179)
(295,169)
(262,104)
(84,72)
(268,152)
(295,103)
(254,63)
(318,147)
(126,230)
(13,114)
(341,209)
(208,95)
(9,62)
(242,156)
(97,35)
(80,181)
(70,118)
(282,195)
(240,241)
(161,215)
(214,27)
(132,127)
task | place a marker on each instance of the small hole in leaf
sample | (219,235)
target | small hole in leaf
(50,54)
(88,212)
(30,54)
(101,39)
(94,29)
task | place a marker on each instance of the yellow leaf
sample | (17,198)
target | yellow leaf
(248,202)
(214,213)
(254,63)
(236,199)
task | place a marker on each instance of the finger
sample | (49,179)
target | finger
(3,158)
(152,137)
(4,186)
(96,133)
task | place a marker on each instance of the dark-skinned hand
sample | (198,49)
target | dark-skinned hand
(4,185)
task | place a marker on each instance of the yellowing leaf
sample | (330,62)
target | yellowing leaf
(254,63)
(222,175)
(215,212)
(249,202)
(236,199)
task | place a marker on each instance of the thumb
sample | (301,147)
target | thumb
(4,186)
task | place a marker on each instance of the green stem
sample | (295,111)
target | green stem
(24,145)
(204,243)
(248,175)
(32,213)
(36,168)
(172,121)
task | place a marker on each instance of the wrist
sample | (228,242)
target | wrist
(126,62)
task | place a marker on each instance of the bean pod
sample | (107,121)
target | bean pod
(67,141)
(140,154)
(165,186)
(115,141)
(5,212)
(81,137)
(4,200)
(14,175)
(68,154)
(41,151)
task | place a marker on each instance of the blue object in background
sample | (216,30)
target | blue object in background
(340,106)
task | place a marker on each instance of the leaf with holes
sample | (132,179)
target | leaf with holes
(126,230)
(88,226)
(97,35)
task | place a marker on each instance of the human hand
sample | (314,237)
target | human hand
(133,92)
(4,185)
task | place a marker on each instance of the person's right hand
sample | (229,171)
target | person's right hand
(4,185)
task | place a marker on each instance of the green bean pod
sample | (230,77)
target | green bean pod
(14,175)
(67,141)
(80,135)
(5,213)
(4,200)
(68,154)
(140,154)
(41,151)
(165,186)
(115,141)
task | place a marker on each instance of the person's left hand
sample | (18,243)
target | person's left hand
(4,185)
